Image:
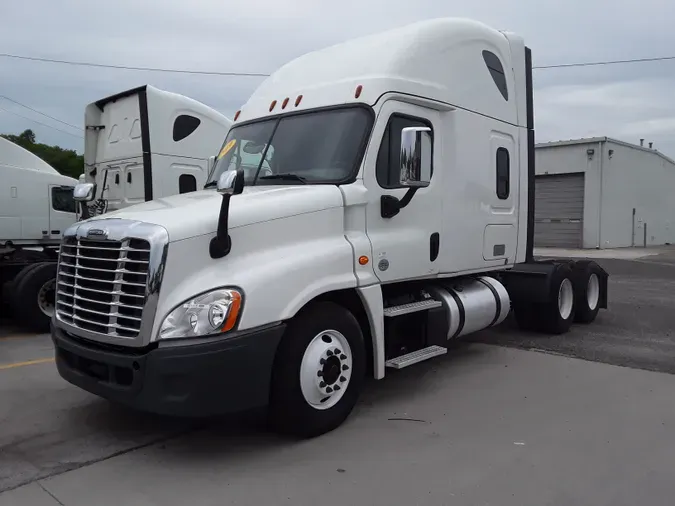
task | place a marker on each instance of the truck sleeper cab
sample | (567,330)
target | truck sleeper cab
(360,216)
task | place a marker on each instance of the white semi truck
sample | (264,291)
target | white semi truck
(36,207)
(140,144)
(145,143)
(389,210)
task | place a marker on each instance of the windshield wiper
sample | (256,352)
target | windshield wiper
(286,177)
(210,184)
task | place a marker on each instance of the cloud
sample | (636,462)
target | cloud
(625,101)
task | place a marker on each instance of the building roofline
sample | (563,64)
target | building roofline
(596,140)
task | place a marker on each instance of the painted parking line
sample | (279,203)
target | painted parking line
(27,362)
(19,336)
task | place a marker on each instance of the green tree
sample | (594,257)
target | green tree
(65,161)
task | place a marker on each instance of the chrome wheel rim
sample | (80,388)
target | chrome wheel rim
(593,292)
(565,298)
(46,297)
(326,369)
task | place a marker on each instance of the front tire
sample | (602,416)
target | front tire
(318,371)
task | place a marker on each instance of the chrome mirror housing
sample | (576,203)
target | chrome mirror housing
(231,182)
(415,159)
(84,192)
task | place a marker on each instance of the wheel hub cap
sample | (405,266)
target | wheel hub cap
(565,298)
(46,298)
(326,369)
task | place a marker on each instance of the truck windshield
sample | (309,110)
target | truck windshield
(314,147)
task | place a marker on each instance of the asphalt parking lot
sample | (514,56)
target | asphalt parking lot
(506,418)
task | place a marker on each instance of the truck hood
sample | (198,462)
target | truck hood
(194,214)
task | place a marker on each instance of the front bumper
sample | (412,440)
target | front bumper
(194,380)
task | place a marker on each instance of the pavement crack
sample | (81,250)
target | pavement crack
(50,494)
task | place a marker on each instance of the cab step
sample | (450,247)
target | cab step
(412,307)
(415,357)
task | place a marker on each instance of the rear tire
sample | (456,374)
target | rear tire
(556,315)
(318,371)
(586,290)
(34,296)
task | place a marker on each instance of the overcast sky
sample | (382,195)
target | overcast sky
(624,101)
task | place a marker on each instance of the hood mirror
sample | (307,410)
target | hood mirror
(84,192)
(231,182)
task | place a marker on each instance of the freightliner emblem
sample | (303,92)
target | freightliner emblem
(97,232)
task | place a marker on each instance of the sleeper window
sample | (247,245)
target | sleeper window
(503,174)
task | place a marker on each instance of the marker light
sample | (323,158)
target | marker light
(284,103)
(359,89)
(272,105)
(236,115)
(363,260)
(297,100)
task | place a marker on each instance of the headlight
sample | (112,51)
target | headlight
(206,314)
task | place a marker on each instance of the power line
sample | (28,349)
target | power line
(258,74)
(39,112)
(608,62)
(125,67)
(39,123)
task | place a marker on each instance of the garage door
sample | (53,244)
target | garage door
(559,210)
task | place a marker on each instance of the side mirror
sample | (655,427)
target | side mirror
(231,182)
(415,157)
(84,192)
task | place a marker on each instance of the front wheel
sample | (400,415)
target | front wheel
(318,371)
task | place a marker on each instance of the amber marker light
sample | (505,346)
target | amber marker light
(233,313)
(363,260)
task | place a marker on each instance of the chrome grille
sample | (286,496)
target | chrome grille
(102,284)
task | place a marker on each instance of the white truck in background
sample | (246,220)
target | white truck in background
(36,207)
(140,144)
(391,211)
(145,143)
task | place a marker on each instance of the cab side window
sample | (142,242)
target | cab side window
(62,199)
(387,168)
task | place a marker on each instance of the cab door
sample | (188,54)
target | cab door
(61,210)
(404,246)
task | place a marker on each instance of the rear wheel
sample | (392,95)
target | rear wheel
(556,315)
(33,298)
(318,371)
(587,290)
